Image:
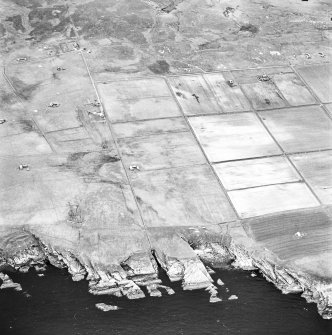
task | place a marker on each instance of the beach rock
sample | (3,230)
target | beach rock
(7,282)
(104,285)
(116,291)
(220,282)
(175,270)
(40,267)
(209,270)
(24,269)
(214,299)
(146,280)
(195,276)
(75,268)
(140,264)
(105,308)
(233,297)
(132,291)
(54,259)
(212,290)
(169,290)
(153,291)
(242,258)
(180,261)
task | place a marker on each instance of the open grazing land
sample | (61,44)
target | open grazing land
(140,135)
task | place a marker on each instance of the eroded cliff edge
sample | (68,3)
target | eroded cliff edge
(294,259)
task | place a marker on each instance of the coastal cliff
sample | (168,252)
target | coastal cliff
(184,256)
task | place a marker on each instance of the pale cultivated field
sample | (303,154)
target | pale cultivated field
(194,169)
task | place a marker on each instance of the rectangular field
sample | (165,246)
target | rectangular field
(233,136)
(231,99)
(316,168)
(256,172)
(319,78)
(161,151)
(270,199)
(305,128)
(181,197)
(293,90)
(194,95)
(264,95)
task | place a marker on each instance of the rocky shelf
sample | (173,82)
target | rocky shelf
(197,253)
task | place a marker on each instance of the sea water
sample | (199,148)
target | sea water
(55,305)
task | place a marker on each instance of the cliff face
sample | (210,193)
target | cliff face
(23,250)
(185,257)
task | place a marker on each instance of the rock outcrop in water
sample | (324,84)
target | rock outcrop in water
(106,308)
(7,282)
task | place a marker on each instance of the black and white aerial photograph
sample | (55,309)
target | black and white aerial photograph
(166,167)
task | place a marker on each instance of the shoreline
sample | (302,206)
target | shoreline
(141,269)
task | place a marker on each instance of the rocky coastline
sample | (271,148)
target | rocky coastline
(141,270)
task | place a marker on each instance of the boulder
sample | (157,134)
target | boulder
(233,297)
(105,308)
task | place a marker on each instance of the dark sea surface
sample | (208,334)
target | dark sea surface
(59,306)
